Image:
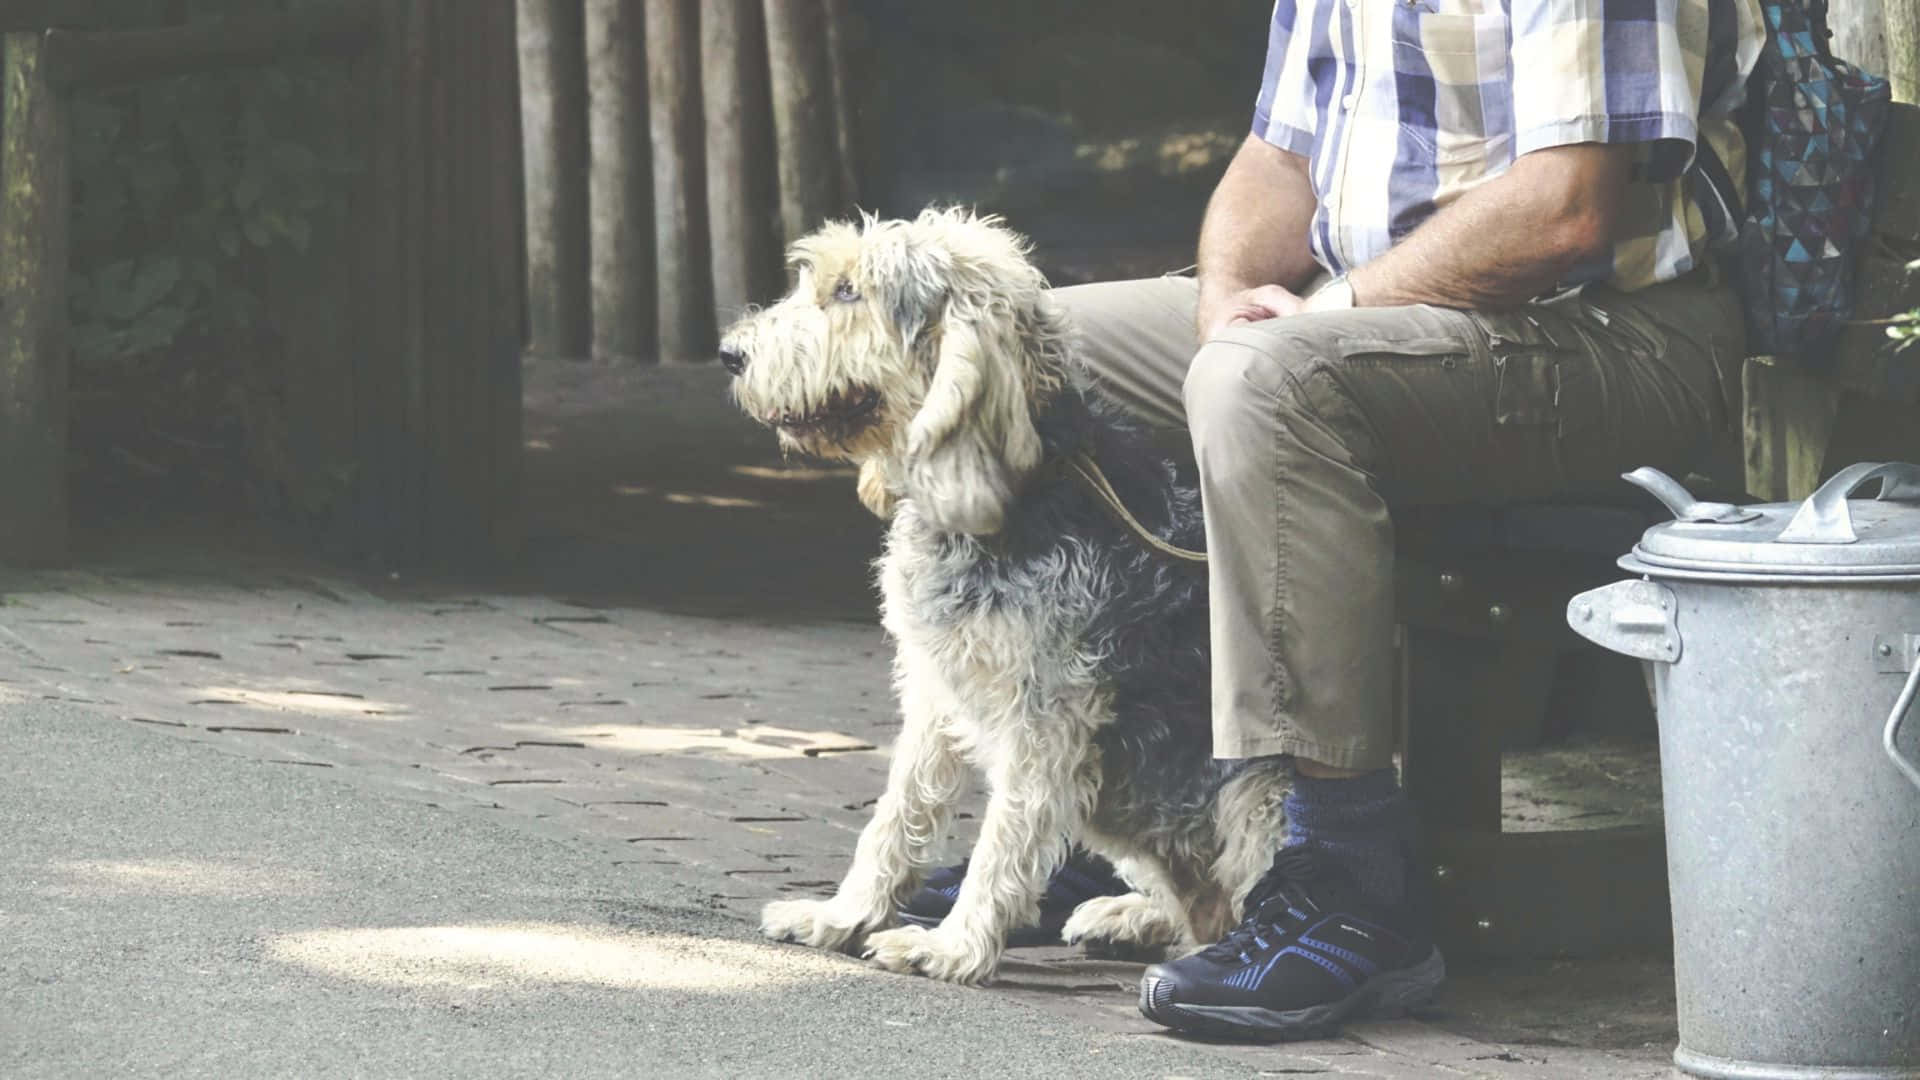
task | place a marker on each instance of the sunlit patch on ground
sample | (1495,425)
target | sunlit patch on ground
(326,702)
(690,498)
(175,877)
(798,473)
(728,502)
(756,741)
(527,955)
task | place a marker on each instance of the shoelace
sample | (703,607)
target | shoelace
(1277,903)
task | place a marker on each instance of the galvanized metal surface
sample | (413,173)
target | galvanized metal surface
(1796,894)
(1902,708)
(1825,518)
(1633,618)
(1684,507)
(1792,805)
(1829,535)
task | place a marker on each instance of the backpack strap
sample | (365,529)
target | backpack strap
(1717,194)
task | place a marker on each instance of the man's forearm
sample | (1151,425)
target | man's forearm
(1508,240)
(1255,231)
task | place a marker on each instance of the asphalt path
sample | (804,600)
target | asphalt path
(169,909)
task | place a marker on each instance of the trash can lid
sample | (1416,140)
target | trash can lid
(1830,536)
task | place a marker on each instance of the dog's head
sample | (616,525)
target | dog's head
(920,349)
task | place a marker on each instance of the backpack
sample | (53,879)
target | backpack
(1813,125)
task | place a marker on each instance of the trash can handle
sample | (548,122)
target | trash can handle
(1824,517)
(1900,710)
(1676,498)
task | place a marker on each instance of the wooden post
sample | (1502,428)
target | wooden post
(840,61)
(34,156)
(1903,51)
(1789,419)
(553,87)
(802,113)
(438,388)
(620,183)
(679,181)
(1859,33)
(742,198)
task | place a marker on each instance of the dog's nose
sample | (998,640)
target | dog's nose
(733,359)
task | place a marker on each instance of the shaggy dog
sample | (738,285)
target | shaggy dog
(1038,638)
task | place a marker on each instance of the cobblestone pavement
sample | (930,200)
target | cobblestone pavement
(736,753)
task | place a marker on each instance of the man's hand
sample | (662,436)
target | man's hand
(1240,306)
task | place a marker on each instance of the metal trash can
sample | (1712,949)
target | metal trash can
(1783,642)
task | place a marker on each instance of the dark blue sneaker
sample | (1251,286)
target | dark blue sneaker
(1081,878)
(1309,956)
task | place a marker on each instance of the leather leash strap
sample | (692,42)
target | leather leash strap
(1096,481)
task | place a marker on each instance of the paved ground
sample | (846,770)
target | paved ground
(268,818)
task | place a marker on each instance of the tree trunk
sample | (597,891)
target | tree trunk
(742,199)
(802,113)
(553,90)
(1903,52)
(679,180)
(620,183)
(1859,33)
(33,319)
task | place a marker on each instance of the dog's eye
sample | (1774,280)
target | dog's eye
(845,292)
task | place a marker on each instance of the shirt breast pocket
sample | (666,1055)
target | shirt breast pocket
(1456,96)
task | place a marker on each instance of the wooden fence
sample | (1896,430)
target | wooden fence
(421,370)
(672,146)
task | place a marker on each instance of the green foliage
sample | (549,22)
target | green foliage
(1905,329)
(184,189)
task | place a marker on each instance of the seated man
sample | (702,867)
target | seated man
(1521,305)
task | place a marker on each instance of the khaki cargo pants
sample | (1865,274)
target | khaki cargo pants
(1308,431)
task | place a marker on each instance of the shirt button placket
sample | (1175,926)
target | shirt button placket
(1357,52)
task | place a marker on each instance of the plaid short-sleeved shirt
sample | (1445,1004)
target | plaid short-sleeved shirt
(1403,105)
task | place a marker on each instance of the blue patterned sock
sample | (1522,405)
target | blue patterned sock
(1364,823)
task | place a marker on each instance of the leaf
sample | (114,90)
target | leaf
(113,291)
(156,279)
(289,157)
(300,234)
(156,329)
(154,180)
(253,184)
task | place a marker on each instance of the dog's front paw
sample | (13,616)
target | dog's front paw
(948,957)
(1133,919)
(823,924)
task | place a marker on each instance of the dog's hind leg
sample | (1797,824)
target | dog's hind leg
(1038,801)
(1138,919)
(899,842)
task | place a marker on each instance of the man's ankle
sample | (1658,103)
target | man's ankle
(1362,822)
(1318,771)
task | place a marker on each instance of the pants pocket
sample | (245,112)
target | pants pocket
(1541,378)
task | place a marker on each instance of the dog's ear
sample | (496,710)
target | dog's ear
(973,440)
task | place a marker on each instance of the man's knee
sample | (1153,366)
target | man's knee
(1232,385)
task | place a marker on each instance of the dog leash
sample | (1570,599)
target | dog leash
(1089,472)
